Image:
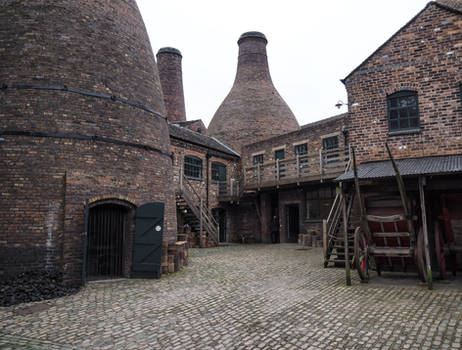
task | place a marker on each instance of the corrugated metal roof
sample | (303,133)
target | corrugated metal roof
(188,135)
(407,167)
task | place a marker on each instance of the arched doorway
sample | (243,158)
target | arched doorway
(107,239)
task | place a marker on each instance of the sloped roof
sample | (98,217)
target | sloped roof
(196,138)
(437,165)
(450,5)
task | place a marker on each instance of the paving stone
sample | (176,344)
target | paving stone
(245,297)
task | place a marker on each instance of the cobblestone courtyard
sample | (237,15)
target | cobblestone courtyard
(244,297)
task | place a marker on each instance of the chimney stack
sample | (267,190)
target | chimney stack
(171,79)
(253,109)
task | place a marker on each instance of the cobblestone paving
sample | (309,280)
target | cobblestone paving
(245,297)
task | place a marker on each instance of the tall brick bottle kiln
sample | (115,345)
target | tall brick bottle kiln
(81,121)
(253,109)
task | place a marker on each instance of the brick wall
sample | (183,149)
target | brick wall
(312,134)
(79,146)
(424,56)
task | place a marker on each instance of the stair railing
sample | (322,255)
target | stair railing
(200,210)
(331,224)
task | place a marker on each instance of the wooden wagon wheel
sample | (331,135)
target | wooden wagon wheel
(361,255)
(439,250)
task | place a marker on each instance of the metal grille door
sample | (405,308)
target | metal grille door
(106,234)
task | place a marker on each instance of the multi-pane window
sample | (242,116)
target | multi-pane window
(301,151)
(403,111)
(258,159)
(318,202)
(193,167)
(279,155)
(218,172)
(330,143)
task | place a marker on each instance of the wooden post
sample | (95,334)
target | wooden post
(425,231)
(345,237)
(364,222)
(403,196)
(320,163)
(258,175)
(298,166)
(324,237)
(200,224)
(181,178)
(277,170)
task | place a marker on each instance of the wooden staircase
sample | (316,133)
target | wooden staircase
(196,213)
(334,241)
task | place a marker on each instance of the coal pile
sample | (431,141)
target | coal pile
(33,286)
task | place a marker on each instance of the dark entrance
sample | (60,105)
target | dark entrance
(292,223)
(106,238)
(222,224)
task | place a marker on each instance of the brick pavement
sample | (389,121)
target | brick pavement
(244,297)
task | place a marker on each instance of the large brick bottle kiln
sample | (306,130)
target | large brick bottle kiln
(253,109)
(81,121)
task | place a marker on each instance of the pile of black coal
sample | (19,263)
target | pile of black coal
(33,286)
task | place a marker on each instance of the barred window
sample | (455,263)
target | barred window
(403,111)
(193,167)
(330,143)
(218,172)
(300,150)
(258,159)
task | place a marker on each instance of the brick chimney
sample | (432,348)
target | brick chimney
(171,79)
(253,109)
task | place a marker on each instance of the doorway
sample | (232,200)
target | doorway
(292,223)
(106,240)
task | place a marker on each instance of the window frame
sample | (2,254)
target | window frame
(214,171)
(296,147)
(258,156)
(400,109)
(198,166)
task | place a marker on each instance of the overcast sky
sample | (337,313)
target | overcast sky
(311,45)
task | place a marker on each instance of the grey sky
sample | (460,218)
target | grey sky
(311,45)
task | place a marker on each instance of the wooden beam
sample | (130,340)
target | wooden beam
(425,231)
(345,237)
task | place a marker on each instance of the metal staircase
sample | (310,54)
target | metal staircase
(197,215)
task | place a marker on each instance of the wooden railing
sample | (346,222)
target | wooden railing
(197,206)
(321,165)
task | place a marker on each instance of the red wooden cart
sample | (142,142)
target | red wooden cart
(391,232)
(446,242)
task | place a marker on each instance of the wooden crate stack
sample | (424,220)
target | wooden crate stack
(174,256)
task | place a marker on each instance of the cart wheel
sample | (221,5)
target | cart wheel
(361,255)
(439,249)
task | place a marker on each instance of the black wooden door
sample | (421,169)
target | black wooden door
(147,248)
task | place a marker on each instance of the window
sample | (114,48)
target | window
(300,150)
(258,159)
(193,167)
(218,172)
(403,111)
(330,143)
(318,203)
(279,155)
